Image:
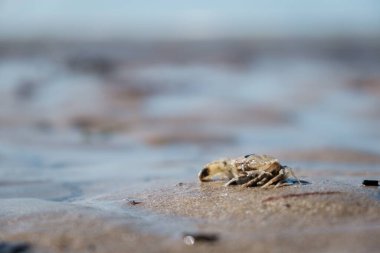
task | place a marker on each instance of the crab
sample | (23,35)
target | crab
(250,171)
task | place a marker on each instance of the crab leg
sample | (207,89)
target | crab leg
(262,176)
(264,180)
(276,179)
(241,179)
(282,183)
(237,180)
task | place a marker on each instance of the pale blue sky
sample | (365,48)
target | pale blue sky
(188,19)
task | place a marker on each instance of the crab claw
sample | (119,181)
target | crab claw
(203,174)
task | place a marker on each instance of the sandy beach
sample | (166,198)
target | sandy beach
(101,144)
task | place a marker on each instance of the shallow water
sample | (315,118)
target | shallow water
(85,123)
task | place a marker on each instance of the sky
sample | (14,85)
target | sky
(180,19)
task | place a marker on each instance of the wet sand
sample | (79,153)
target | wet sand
(327,215)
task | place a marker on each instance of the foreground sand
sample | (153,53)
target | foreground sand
(326,216)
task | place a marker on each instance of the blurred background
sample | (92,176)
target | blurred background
(109,91)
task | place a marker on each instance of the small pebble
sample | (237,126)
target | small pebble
(370,182)
(189,240)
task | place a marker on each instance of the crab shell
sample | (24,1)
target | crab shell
(233,168)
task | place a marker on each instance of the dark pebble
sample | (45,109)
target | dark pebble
(134,202)
(370,182)
(14,247)
(193,238)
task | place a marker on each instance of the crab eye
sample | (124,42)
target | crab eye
(246,156)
